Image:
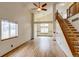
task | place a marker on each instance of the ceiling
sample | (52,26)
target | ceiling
(19,6)
(31,6)
(37,14)
(14,7)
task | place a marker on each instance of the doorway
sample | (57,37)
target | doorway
(43,29)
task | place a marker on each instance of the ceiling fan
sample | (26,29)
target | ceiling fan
(40,7)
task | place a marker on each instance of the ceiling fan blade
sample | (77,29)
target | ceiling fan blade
(44,9)
(35,4)
(44,5)
(39,4)
(34,8)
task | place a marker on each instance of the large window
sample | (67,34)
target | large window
(8,30)
(44,28)
(4,29)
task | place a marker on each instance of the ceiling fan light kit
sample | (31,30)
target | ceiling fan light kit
(39,9)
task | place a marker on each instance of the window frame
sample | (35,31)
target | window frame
(44,27)
(16,35)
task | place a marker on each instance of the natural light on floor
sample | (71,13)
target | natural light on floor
(44,43)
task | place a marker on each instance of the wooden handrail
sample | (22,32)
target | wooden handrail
(73,9)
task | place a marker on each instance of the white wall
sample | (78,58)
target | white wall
(21,15)
(61,41)
(75,23)
(45,18)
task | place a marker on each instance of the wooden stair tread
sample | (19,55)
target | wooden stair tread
(69,23)
(77,36)
(75,44)
(77,50)
(73,34)
(76,32)
(71,27)
(74,39)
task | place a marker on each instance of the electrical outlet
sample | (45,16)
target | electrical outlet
(11,45)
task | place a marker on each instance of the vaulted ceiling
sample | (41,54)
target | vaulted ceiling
(16,7)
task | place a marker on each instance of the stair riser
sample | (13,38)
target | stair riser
(70,29)
(76,32)
(73,36)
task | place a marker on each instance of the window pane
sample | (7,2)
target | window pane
(8,30)
(4,30)
(12,29)
(41,25)
(45,25)
(44,28)
(16,33)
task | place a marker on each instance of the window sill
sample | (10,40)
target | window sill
(9,38)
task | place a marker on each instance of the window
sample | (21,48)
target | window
(44,28)
(16,31)
(12,29)
(8,30)
(4,29)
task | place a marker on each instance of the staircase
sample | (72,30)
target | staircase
(70,33)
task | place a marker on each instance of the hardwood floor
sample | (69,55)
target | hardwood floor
(40,47)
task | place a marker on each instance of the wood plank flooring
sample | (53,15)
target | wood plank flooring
(40,47)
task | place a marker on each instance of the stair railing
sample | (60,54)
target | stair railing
(64,28)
